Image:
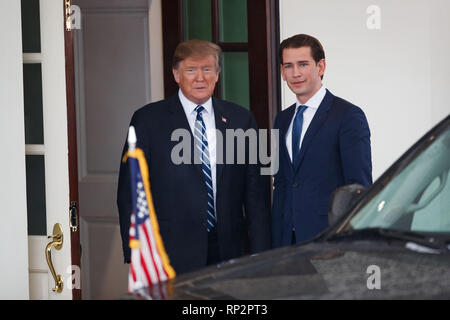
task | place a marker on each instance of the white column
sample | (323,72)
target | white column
(13,202)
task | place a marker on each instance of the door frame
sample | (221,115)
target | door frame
(72,151)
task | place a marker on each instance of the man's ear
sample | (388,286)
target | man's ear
(176,75)
(322,66)
(282,72)
(218,74)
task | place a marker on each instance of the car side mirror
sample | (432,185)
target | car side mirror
(342,200)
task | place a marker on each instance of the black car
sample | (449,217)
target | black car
(391,241)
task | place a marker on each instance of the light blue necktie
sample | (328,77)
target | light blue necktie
(296,134)
(201,143)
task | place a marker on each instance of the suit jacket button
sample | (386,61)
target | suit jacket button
(295,185)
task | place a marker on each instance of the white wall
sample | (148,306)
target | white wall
(397,74)
(13,210)
(440,56)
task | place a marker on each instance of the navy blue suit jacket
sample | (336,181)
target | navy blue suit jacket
(335,151)
(180,195)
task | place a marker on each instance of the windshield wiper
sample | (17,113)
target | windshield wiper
(406,236)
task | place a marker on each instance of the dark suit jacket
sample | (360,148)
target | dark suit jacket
(180,195)
(335,151)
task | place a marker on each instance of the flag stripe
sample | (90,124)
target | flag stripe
(156,258)
(147,253)
(154,222)
(144,268)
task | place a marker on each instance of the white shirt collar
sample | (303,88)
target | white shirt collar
(189,106)
(315,101)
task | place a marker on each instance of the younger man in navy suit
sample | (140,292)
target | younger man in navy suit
(324,144)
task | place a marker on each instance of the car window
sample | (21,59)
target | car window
(417,198)
(435,215)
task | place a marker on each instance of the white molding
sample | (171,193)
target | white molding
(34,149)
(38,271)
(36,262)
(80,99)
(14,276)
(156,50)
(32,58)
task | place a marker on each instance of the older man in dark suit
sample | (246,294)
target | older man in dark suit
(199,205)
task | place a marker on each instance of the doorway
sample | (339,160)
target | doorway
(121,56)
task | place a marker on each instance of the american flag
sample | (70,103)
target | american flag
(149,261)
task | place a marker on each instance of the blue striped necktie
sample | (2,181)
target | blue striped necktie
(201,143)
(297,133)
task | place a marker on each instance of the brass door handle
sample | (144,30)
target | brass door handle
(57,242)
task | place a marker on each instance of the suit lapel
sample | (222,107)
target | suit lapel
(179,121)
(316,123)
(220,120)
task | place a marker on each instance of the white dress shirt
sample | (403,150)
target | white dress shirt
(313,104)
(210,124)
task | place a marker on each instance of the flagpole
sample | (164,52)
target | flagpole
(133,285)
(131,139)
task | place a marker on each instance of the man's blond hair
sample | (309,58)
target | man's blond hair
(196,49)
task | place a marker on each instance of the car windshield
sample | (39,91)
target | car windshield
(417,197)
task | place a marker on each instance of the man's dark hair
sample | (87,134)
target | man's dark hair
(303,40)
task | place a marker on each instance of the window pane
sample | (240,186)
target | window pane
(31,30)
(197,19)
(234,78)
(36,195)
(32,91)
(233,20)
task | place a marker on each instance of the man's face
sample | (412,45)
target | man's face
(197,78)
(301,72)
